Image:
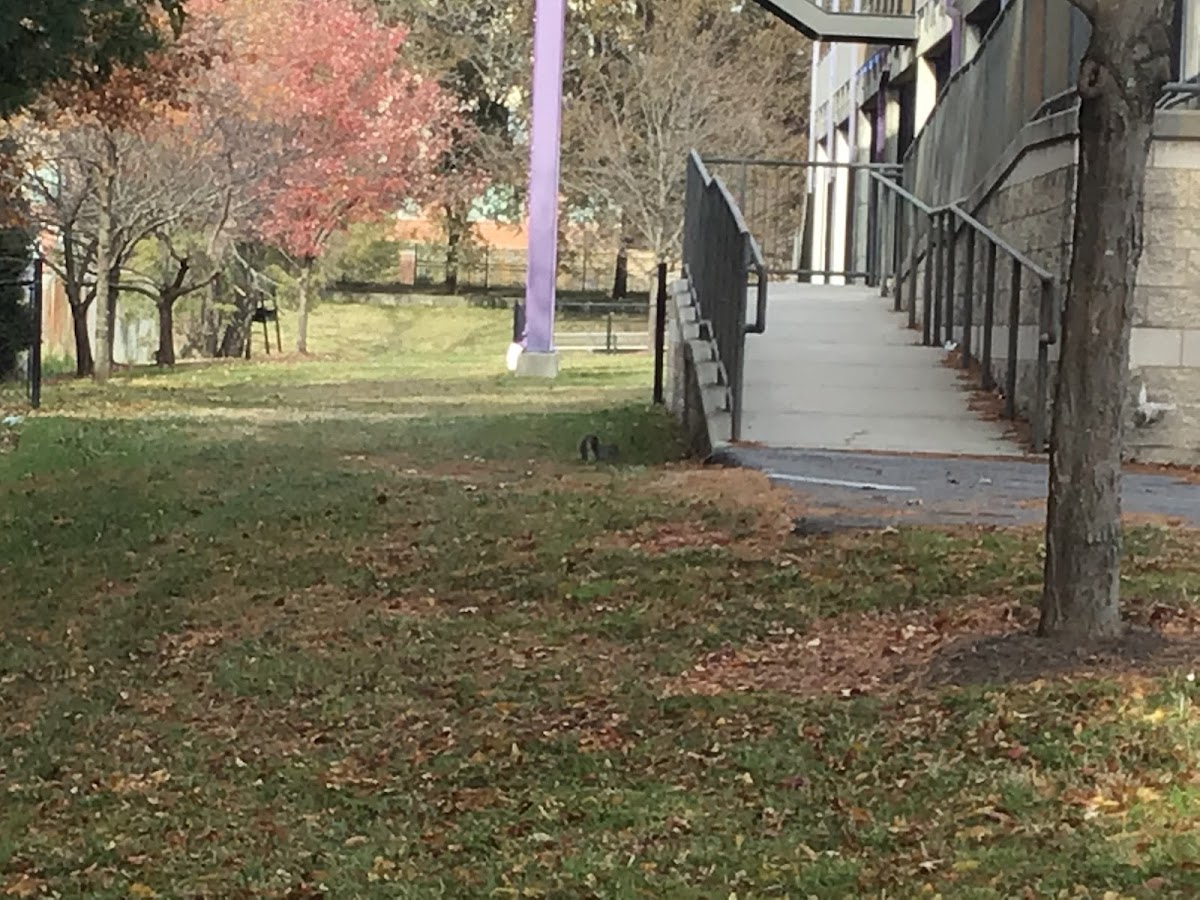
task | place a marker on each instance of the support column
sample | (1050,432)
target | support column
(926,93)
(540,357)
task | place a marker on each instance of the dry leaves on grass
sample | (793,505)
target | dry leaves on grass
(983,641)
(739,493)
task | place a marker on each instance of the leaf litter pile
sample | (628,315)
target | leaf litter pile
(348,670)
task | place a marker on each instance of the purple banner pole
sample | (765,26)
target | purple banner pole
(549,30)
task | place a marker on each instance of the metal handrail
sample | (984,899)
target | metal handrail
(938,256)
(1178,93)
(719,256)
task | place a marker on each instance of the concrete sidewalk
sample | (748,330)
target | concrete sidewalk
(874,490)
(838,370)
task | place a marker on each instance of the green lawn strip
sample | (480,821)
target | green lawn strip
(426,657)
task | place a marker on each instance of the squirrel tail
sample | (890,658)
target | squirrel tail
(589,444)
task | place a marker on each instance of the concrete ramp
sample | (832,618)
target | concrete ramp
(838,370)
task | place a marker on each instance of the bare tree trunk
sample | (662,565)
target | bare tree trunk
(1121,78)
(166,331)
(210,339)
(104,256)
(114,295)
(620,289)
(302,313)
(79,304)
(455,231)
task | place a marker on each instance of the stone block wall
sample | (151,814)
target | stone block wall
(1032,208)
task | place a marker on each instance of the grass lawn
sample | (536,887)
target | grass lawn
(363,626)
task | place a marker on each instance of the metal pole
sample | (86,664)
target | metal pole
(898,237)
(540,287)
(849,258)
(927,324)
(35,349)
(873,226)
(660,333)
(969,300)
(608,336)
(939,294)
(1014,334)
(1040,417)
(989,316)
(951,274)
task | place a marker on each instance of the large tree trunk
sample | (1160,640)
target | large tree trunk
(302,313)
(209,324)
(1121,77)
(84,364)
(104,256)
(114,295)
(455,231)
(166,331)
(620,289)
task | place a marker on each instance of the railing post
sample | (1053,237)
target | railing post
(873,225)
(939,294)
(849,257)
(989,317)
(1014,334)
(1041,418)
(927,324)
(951,274)
(830,198)
(660,334)
(898,242)
(969,301)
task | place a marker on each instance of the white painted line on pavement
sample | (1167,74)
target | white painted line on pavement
(835,482)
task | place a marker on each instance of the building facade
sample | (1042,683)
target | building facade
(976,106)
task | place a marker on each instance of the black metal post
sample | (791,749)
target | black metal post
(898,242)
(939,294)
(660,334)
(608,334)
(951,274)
(968,337)
(830,197)
(35,349)
(989,317)
(873,242)
(1014,334)
(1040,419)
(849,259)
(518,328)
(927,324)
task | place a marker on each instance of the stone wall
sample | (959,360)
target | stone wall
(1031,206)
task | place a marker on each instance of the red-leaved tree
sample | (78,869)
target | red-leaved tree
(357,134)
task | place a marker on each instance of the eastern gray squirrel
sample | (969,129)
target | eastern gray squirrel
(591,450)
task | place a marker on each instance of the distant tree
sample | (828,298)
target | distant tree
(79,41)
(479,52)
(646,89)
(362,134)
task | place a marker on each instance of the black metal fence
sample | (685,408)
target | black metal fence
(784,203)
(720,260)
(586,268)
(24,384)
(601,327)
(958,271)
